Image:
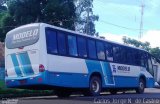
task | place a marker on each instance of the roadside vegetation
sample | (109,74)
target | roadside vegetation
(12,93)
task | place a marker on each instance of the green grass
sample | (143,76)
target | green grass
(8,93)
(2,84)
(11,92)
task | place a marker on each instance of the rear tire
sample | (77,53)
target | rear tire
(95,86)
(141,86)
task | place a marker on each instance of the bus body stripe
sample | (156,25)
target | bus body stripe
(109,74)
(26,64)
(16,65)
(104,73)
(108,77)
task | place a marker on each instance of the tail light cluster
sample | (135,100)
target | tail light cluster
(41,68)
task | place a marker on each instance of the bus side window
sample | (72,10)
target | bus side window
(117,54)
(130,57)
(137,58)
(82,47)
(143,59)
(109,52)
(72,45)
(92,49)
(61,43)
(51,40)
(100,50)
(123,55)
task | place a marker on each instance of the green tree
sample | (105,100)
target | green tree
(60,13)
(55,12)
(85,17)
(136,43)
(3,12)
(146,45)
(155,52)
(70,14)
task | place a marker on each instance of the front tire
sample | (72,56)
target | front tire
(141,86)
(95,86)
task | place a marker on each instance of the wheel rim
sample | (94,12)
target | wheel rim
(141,85)
(95,86)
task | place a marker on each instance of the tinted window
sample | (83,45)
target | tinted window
(100,51)
(109,52)
(130,56)
(61,43)
(82,50)
(116,54)
(51,41)
(123,55)
(143,59)
(92,49)
(72,45)
(137,56)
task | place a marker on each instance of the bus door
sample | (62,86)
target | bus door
(156,69)
(150,66)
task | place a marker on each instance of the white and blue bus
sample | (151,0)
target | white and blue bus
(41,56)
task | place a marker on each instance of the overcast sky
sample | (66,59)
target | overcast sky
(118,18)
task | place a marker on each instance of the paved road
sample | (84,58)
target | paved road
(151,96)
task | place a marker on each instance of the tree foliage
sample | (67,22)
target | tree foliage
(136,43)
(70,14)
(54,12)
(144,45)
(85,17)
(155,52)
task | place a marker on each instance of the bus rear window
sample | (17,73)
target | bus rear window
(23,36)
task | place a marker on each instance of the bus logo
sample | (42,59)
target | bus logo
(114,68)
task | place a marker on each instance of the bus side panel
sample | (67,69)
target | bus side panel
(100,67)
(150,83)
(125,75)
(66,71)
(125,82)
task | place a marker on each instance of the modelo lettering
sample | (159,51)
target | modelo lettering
(123,68)
(26,34)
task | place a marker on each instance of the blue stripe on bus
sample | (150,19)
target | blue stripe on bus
(102,67)
(108,73)
(16,65)
(26,64)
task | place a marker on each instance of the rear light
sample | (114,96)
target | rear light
(41,68)
(6,73)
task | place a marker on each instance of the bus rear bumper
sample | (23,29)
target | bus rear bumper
(49,80)
(25,81)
